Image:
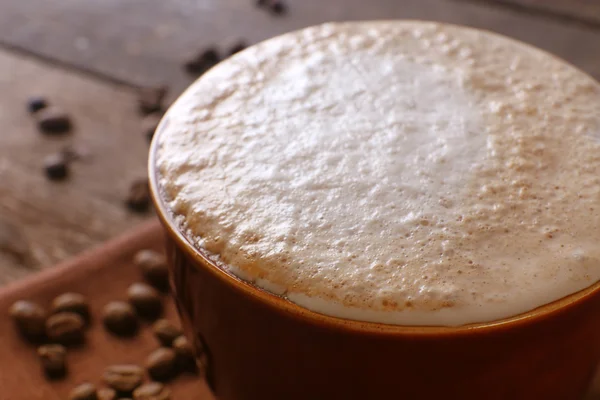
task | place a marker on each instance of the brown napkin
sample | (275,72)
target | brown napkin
(102,274)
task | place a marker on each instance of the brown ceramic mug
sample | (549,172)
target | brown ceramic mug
(260,346)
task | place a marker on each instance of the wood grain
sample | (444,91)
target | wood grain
(145,41)
(59,219)
(587,11)
(102,275)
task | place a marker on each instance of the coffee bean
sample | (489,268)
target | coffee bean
(65,328)
(30,319)
(35,104)
(152,391)
(203,61)
(185,354)
(154,268)
(53,121)
(262,3)
(149,126)
(138,199)
(150,99)
(165,332)
(119,318)
(107,394)
(56,167)
(53,359)
(85,391)
(72,302)
(161,364)
(123,378)
(145,299)
(236,48)
(277,7)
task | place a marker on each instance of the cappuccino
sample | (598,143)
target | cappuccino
(398,172)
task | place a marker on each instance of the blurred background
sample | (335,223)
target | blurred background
(83,82)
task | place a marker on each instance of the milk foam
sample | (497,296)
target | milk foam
(400,172)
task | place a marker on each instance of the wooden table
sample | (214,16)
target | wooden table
(89,56)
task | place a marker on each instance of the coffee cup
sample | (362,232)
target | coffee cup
(256,343)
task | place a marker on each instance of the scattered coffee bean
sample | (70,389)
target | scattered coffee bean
(138,199)
(35,104)
(152,391)
(56,167)
(151,99)
(149,125)
(53,359)
(165,332)
(123,378)
(72,302)
(277,7)
(185,354)
(52,120)
(161,364)
(30,319)
(236,48)
(107,394)
(65,328)
(119,318)
(154,268)
(203,61)
(85,391)
(145,299)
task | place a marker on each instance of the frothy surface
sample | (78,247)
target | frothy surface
(399,172)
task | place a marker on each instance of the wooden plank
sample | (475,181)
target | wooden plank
(587,11)
(61,219)
(144,41)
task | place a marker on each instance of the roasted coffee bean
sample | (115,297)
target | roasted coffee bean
(35,104)
(85,391)
(72,302)
(165,332)
(203,61)
(145,299)
(151,99)
(185,354)
(65,328)
(138,199)
(107,394)
(56,167)
(54,360)
(123,378)
(154,268)
(119,318)
(277,7)
(152,391)
(30,319)
(53,121)
(149,126)
(161,364)
(236,48)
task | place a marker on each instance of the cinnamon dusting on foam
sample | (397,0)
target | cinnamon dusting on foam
(399,172)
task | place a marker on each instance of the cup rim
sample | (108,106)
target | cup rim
(291,309)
